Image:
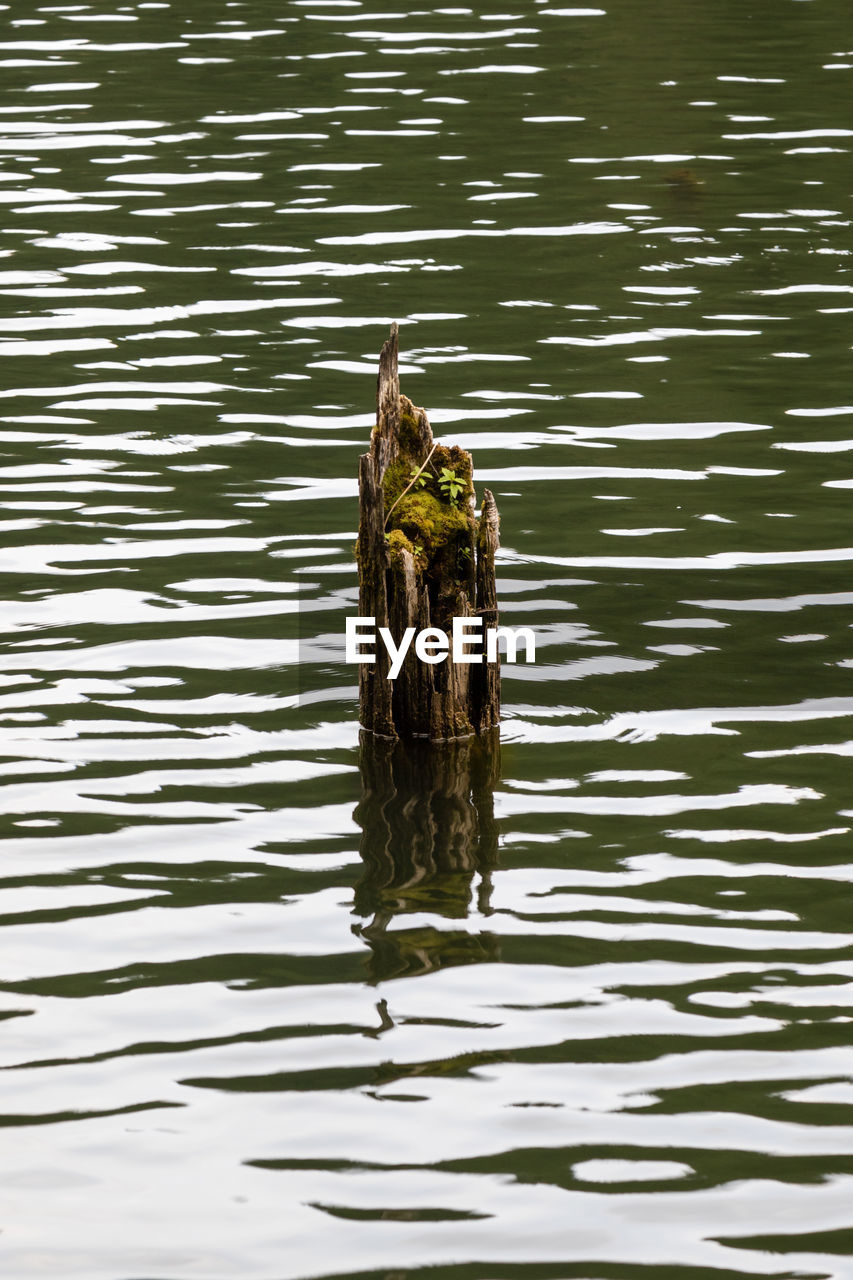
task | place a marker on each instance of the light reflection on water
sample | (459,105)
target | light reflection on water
(600,979)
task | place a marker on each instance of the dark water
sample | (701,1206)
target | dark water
(580,1008)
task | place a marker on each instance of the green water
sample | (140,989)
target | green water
(575,1005)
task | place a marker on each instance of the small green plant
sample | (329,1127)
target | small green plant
(418,478)
(451,485)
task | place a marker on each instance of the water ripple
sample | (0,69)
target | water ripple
(610,1032)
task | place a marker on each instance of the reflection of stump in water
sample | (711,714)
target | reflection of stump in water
(428,828)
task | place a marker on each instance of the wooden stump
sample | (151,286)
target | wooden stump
(423,559)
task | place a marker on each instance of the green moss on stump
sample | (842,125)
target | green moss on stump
(397,542)
(435,530)
(422,521)
(396,478)
(430,523)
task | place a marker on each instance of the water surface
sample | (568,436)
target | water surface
(577,1007)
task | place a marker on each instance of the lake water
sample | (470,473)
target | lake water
(577,1009)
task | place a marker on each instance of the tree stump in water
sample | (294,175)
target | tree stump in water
(423,560)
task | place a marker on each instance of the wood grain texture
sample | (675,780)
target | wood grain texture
(423,559)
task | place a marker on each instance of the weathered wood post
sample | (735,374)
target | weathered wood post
(423,559)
